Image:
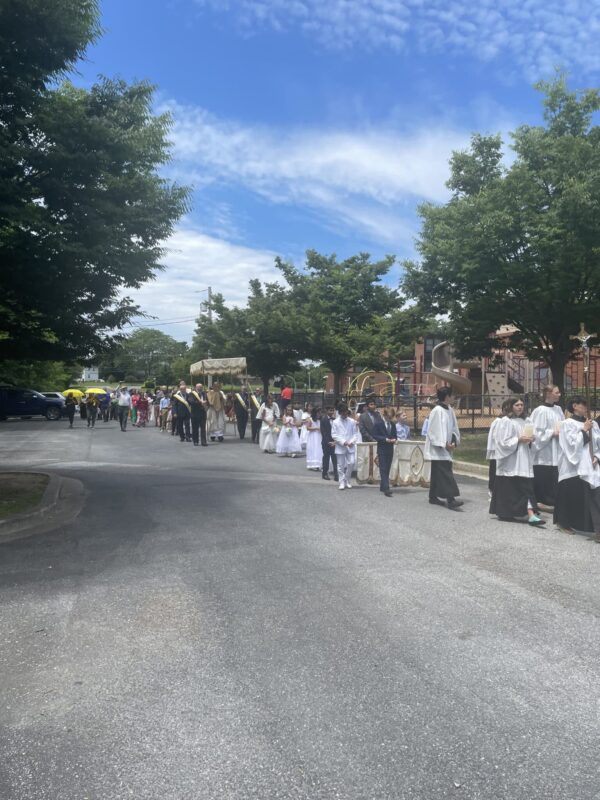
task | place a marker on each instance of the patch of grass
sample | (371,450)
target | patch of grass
(20,492)
(472,448)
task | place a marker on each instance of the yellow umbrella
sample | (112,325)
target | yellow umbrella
(77,393)
(96,391)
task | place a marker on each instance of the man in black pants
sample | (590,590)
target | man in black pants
(197,399)
(241,401)
(181,403)
(384,433)
(255,422)
(328,445)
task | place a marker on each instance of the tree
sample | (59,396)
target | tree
(519,245)
(267,331)
(147,353)
(83,210)
(342,307)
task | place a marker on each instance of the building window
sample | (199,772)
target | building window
(429,342)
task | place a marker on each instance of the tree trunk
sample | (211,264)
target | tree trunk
(557,362)
(337,379)
(265,381)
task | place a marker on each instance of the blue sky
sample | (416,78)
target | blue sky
(324,123)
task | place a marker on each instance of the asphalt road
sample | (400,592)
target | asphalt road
(218,623)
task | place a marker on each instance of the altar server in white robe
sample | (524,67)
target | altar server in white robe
(344,433)
(269,414)
(513,496)
(589,471)
(572,507)
(441,438)
(546,421)
(490,452)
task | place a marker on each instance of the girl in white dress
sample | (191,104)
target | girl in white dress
(269,414)
(314,451)
(304,429)
(288,443)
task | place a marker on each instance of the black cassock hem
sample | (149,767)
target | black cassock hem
(511,495)
(442,482)
(545,482)
(572,508)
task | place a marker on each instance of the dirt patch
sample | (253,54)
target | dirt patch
(20,492)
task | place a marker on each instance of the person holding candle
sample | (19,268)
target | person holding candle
(513,496)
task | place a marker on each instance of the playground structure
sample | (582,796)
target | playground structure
(363,385)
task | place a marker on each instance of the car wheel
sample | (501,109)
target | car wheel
(53,413)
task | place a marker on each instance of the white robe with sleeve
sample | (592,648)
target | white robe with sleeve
(546,448)
(491,442)
(513,458)
(442,426)
(571,449)
(589,472)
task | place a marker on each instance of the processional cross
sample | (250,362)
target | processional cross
(583,337)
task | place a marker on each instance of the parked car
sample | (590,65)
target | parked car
(16,402)
(55,395)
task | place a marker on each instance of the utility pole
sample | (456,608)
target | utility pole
(209,301)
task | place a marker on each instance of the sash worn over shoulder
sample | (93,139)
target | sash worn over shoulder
(181,399)
(255,402)
(240,400)
(197,396)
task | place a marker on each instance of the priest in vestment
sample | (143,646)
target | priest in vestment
(546,420)
(215,417)
(442,437)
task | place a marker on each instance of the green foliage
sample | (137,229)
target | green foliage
(341,307)
(83,210)
(267,331)
(148,354)
(520,245)
(44,376)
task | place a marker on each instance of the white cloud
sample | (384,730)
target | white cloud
(194,262)
(366,181)
(533,34)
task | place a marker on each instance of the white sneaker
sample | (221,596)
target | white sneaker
(348,485)
(341,487)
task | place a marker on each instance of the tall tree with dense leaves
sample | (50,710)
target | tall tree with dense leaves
(519,245)
(83,210)
(342,305)
(147,354)
(267,331)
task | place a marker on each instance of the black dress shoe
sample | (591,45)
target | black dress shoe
(388,493)
(435,501)
(326,477)
(454,503)
(195,444)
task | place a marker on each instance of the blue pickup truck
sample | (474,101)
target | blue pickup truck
(16,402)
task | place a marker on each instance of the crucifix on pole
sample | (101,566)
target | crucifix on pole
(583,337)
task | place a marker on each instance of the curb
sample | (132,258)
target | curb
(469,470)
(61,501)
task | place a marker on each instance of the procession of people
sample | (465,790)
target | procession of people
(538,464)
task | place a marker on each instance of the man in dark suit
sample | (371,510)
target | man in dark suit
(368,418)
(197,398)
(241,401)
(181,404)
(384,433)
(328,444)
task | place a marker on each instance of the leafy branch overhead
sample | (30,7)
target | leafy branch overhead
(519,245)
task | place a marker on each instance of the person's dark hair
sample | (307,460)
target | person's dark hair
(444,393)
(506,406)
(342,407)
(315,413)
(579,399)
(510,403)
(329,408)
